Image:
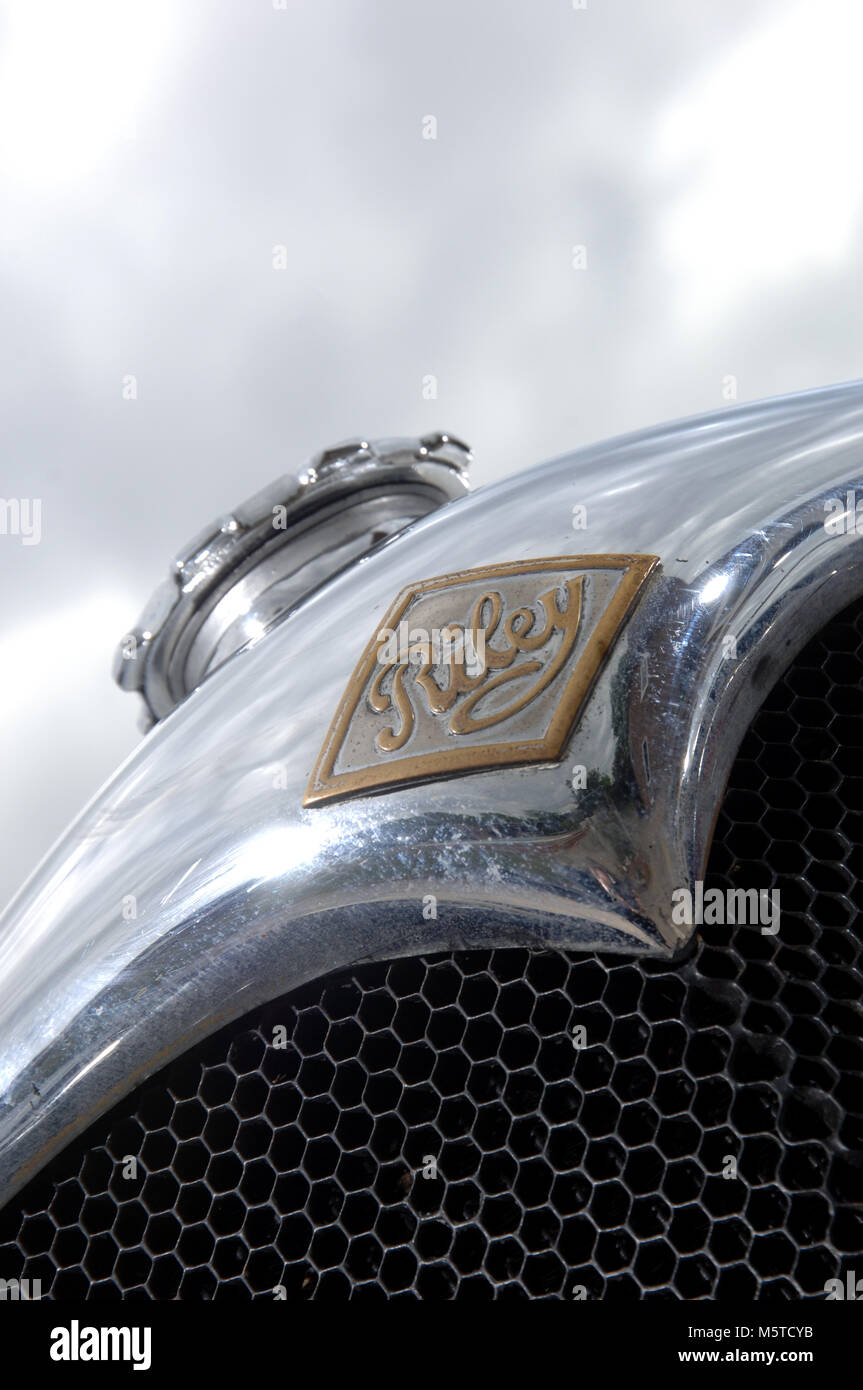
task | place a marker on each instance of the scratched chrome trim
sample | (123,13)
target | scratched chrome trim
(241,893)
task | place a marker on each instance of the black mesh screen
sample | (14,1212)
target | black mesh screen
(556,1167)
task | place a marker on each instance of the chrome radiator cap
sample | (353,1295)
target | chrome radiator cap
(242,574)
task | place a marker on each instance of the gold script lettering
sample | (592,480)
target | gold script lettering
(476,681)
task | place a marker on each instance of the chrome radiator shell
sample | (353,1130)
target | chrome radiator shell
(197,885)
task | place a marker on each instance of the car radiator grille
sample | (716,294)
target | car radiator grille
(558,1167)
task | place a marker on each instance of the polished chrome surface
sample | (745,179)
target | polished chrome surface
(242,574)
(197,885)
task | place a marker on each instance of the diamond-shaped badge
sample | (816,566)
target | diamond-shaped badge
(482,669)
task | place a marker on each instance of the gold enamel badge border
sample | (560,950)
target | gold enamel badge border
(383,766)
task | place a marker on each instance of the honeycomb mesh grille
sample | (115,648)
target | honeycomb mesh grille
(602,1166)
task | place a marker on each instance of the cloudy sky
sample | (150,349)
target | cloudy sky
(630,211)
